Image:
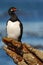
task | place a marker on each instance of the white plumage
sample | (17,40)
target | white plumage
(13,29)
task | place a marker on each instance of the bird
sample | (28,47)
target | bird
(14,25)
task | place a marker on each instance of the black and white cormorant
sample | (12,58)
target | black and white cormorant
(14,26)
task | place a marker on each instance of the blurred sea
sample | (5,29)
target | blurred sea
(31,15)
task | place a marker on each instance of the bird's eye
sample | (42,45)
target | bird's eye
(11,9)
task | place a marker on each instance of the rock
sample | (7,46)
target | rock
(26,55)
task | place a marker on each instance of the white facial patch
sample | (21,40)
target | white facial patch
(11,10)
(13,29)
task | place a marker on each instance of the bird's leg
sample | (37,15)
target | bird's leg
(20,48)
(21,44)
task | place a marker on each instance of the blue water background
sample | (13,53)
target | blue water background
(30,12)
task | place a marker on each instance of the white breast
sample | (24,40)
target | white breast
(13,29)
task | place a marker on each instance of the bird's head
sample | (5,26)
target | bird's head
(11,10)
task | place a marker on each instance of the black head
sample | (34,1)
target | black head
(11,10)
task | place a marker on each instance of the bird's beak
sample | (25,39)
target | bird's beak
(14,9)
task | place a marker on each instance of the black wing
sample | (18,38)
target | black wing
(21,31)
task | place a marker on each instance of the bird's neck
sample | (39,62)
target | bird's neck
(13,17)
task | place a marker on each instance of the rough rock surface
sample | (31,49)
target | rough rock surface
(23,55)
